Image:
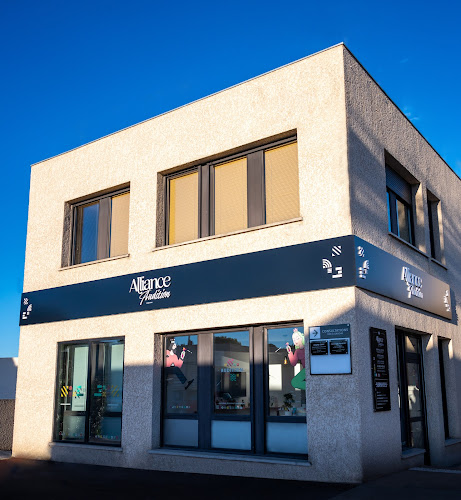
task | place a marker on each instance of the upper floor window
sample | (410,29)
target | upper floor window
(250,189)
(433,208)
(100,227)
(399,206)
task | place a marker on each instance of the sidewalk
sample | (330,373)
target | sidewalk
(421,483)
(26,479)
(21,478)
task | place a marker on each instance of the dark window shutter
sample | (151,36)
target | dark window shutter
(398,185)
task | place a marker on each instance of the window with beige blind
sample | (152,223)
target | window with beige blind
(100,227)
(257,187)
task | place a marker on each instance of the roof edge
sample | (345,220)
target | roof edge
(401,112)
(193,102)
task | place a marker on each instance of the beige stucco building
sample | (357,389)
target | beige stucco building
(176,265)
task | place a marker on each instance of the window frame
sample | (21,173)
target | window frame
(93,366)
(405,357)
(259,399)
(256,189)
(434,226)
(393,222)
(104,221)
(443,347)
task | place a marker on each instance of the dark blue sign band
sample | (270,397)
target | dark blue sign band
(298,268)
(334,263)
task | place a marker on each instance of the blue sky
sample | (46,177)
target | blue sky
(75,71)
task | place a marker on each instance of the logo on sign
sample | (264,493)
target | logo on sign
(151,289)
(446,301)
(26,312)
(414,283)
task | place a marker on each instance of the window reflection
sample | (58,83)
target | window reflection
(88,221)
(180,377)
(106,392)
(232,373)
(90,411)
(287,375)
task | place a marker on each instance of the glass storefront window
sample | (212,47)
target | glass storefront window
(238,390)
(287,375)
(411,391)
(180,377)
(93,416)
(232,373)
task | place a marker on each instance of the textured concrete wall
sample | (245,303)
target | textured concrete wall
(376,125)
(306,97)
(6,423)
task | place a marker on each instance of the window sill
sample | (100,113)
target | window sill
(94,447)
(412,452)
(94,262)
(230,457)
(443,266)
(398,238)
(452,441)
(241,231)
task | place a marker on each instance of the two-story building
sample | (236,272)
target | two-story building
(264,282)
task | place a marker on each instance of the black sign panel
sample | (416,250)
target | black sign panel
(291,269)
(380,370)
(339,346)
(319,347)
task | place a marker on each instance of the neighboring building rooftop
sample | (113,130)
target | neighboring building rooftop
(8,371)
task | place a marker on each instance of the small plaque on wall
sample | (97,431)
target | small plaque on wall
(380,370)
(330,349)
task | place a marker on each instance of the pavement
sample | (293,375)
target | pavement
(24,479)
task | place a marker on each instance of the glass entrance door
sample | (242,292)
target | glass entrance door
(411,392)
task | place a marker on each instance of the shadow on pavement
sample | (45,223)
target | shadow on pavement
(21,478)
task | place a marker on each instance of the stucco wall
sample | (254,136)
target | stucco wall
(306,97)
(376,125)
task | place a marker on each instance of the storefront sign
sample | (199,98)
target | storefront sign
(330,349)
(380,272)
(380,370)
(334,263)
(291,269)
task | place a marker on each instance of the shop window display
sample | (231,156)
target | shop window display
(246,393)
(89,392)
